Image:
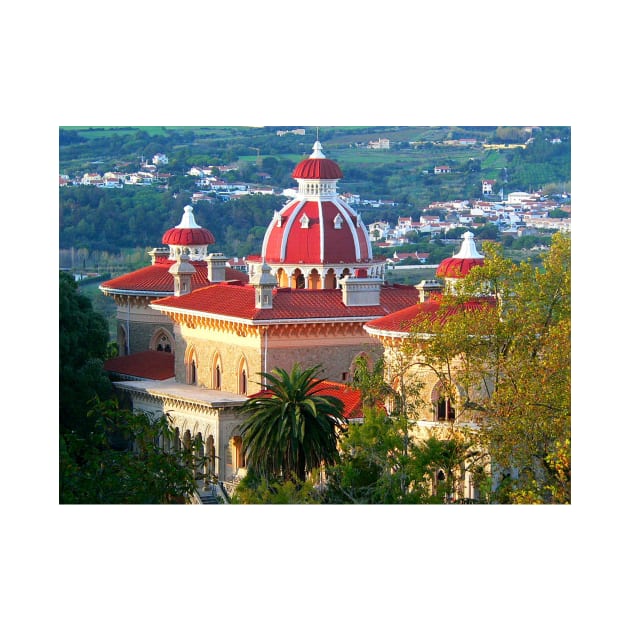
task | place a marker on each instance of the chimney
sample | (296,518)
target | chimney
(264,283)
(182,272)
(361,290)
(428,288)
(216,267)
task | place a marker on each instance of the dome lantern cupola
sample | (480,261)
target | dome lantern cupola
(188,238)
(317,238)
(458,266)
(317,175)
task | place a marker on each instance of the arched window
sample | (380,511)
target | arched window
(443,404)
(298,279)
(122,341)
(330,280)
(162,341)
(217,371)
(191,366)
(239,452)
(243,376)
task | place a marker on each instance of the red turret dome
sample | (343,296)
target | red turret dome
(188,236)
(317,166)
(460,265)
(456,267)
(317,169)
(188,232)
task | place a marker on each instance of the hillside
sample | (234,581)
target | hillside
(115,220)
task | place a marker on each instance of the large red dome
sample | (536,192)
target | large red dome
(317,228)
(316,232)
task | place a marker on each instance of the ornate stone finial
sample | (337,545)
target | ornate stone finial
(468,248)
(188,219)
(317,151)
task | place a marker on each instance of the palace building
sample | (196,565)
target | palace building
(195,335)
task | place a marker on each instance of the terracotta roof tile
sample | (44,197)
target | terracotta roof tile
(157,279)
(404,320)
(151,364)
(239,301)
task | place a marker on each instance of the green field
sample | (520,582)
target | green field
(106,131)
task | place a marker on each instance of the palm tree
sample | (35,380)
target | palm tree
(291,427)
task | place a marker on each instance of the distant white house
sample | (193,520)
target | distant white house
(160,158)
(486,186)
(519,197)
(379,230)
(439,170)
(350,198)
(380,144)
(297,132)
(92,179)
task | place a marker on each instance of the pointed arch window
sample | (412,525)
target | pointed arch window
(239,452)
(191,366)
(243,377)
(162,341)
(193,373)
(217,372)
(443,404)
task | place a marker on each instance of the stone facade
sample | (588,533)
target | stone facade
(138,325)
(251,350)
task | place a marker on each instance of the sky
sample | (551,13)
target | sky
(325,64)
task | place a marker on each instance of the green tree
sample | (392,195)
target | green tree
(371,382)
(83,345)
(257,490)
(291,428)
(121,460)
(511,364)
(440,460)
(374,467)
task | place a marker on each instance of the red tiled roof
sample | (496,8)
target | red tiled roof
(349,396)
(239,302)
(404,320)
(157,279)
(151,364)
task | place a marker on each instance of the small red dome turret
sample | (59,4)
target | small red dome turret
(188,233)
(188,236)
(317,166)
(459,266)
